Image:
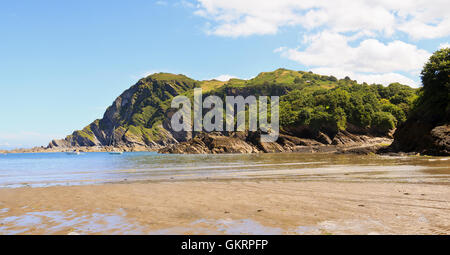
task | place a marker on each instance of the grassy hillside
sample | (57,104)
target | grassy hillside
(318,102)
(324,103)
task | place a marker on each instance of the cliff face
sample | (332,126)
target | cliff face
(138,118)
(314,110)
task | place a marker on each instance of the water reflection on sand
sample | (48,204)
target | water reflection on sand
(409,207)
(57,222)
(69,222)
(42,170)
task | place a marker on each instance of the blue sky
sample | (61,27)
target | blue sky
(64,62)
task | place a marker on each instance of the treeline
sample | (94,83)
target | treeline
(369,107)
(324,103)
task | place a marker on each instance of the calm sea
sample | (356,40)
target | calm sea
(49,169)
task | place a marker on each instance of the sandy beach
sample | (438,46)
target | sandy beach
(228,207)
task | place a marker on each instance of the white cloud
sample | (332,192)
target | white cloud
(444,45)
(224,77)
(370,78)
(371,61)
(385,79)
(346,35)
(417,18)
(328,49)
(421,30)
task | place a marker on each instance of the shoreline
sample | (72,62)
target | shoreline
(80,149)
(301,149)
(381,146)
(94,168)
(378,149)
(228,206)
(238,143)
(352,148)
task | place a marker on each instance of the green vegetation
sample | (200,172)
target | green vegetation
(433,105)
(211,85)
(383,121)
(332,109)
(324,103)
(320,102)
(87,134)
(426,129)
(141,109)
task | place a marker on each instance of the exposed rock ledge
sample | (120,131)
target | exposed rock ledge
(243,142)
(423,138)
(240,142)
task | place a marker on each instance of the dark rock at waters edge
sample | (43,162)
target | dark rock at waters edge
(421,137)
(441,140)
(215,143)
(249,142)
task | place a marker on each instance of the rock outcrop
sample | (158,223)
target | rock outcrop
(440,137)
(138,118)
(250,142)
(211,143)
(422,137)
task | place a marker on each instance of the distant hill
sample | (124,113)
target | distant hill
(310,104)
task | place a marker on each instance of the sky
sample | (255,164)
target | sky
(62,63)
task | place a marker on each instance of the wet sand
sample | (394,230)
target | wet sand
(228,207)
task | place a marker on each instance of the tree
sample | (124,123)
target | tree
(396,111)
(434,101)
(435,73)
(383,122)
(332,78)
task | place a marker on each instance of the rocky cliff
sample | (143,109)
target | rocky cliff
(315,110)
(137,119)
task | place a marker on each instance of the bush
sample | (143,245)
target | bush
(434,103)
(383,122)
(396,111)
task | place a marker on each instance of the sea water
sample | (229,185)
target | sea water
(49,169)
